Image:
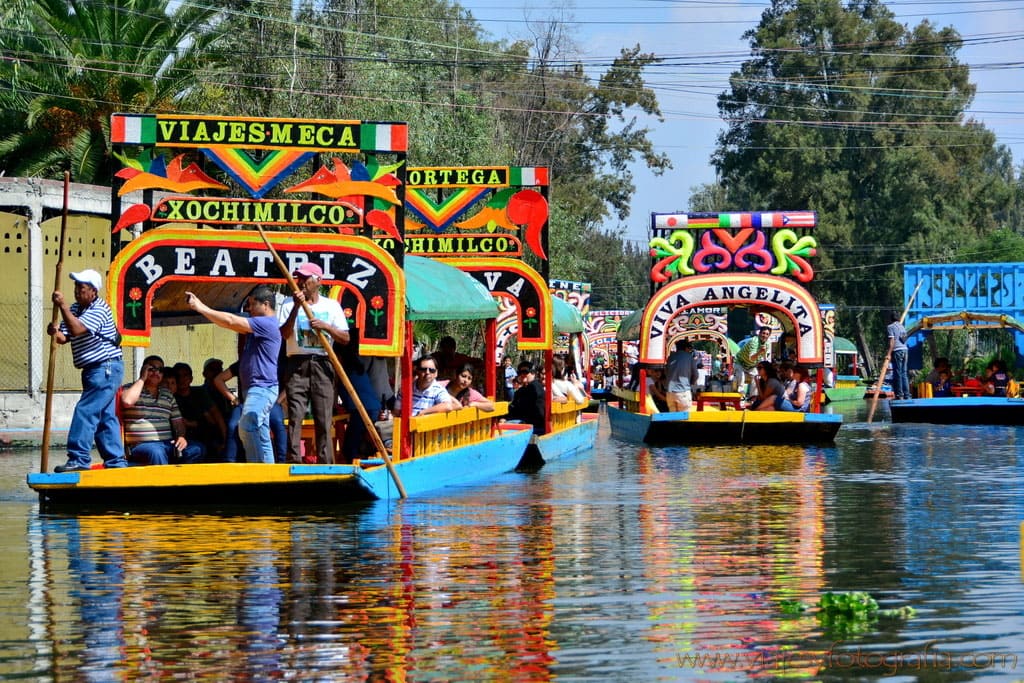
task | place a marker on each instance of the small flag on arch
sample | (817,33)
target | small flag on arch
(525,176)
(384,137)
(133,129)
(670,220)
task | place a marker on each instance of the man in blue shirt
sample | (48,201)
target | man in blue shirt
(257,366)
(96,350)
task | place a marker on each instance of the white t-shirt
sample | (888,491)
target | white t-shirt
(565,388)
(303,341)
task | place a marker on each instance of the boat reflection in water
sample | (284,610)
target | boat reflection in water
(755,529)
(259,598)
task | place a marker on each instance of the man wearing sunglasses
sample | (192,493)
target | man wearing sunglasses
(428,396)
(153,427)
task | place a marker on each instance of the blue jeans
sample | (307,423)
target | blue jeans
(355,430)
(162,453)
(277,429)
(254,424)
(900,381)
(94,419)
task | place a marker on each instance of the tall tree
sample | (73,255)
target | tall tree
(843,110)
(85,60)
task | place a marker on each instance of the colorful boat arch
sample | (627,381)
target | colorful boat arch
(222,266)
(515,281)
(781,295)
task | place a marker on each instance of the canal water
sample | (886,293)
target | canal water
(626,563)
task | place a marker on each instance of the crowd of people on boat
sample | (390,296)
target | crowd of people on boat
(285,378)
(942,381)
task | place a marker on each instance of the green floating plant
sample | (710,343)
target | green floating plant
(844,614)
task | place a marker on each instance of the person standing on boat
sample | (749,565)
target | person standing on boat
(898,353)
(752,352)
(257,366)
(681,372)
(309,375)
(95,350)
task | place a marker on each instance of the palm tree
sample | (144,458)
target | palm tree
(83,60)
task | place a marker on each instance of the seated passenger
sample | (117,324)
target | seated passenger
(527,404)
(461,389)
(942,386)
(657,387)
(997,378)
(153,428)
(563,389)
(203,422)
(448,360)
(769,388)
(428,395)
(797,399)
(939,365)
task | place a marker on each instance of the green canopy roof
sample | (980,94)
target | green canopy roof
(629,327)
(629,330)
(437,291)
(566,317)
(843,345)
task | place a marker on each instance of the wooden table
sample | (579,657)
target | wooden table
(722,398)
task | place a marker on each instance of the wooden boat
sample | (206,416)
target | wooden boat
(688,248)
(430,451)
(515,200)
(382,290)
(943,288)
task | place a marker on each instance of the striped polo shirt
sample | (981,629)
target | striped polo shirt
(89,349)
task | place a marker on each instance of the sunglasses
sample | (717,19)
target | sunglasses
(430,370)
(153,368)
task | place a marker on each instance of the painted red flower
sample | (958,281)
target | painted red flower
(135,293)
(377,303)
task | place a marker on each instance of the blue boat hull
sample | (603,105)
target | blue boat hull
(562,444)
(969,410)
(724,427)
(277,486)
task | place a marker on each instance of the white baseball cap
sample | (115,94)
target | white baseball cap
(89,277)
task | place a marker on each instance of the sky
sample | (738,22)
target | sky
(706,35)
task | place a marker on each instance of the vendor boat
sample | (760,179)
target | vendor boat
(939,307)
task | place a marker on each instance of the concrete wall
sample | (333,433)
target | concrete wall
(27,275)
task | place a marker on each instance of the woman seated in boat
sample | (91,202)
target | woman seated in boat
(461,389)
(997,378)
(562,388)
(797,399)
(769,388)
(657,387)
